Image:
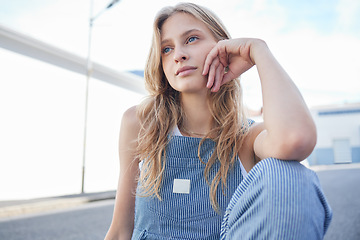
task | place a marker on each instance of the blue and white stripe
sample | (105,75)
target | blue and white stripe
(185,216)
(277,200)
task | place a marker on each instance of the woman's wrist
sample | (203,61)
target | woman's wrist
(258,48)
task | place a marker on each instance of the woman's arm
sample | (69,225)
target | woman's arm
(288,131)
(123,217)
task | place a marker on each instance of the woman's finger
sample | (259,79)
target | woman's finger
(219,51)
(218,78)
(210,58)
(212,72)
(228,77)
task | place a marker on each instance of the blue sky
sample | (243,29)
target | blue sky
(320,14)
(317,42)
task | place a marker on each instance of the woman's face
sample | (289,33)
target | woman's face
(185,43)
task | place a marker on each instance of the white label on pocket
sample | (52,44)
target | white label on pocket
(181,186)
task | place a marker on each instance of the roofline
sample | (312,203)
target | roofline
(355,105)
(31,47)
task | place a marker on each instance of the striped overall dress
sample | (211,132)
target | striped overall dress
(276,200)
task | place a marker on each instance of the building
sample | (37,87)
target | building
(338,129)
(43,92)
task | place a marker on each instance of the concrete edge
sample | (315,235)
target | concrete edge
(59,203)
(43,206)
(47,205)
(342,166)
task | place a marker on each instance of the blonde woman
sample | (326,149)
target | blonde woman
(192,165)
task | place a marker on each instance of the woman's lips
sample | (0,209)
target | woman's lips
(185,70)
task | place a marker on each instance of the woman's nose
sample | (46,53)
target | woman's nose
(180,55)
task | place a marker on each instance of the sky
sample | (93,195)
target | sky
(316,41)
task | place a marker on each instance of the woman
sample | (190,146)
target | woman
(190,159)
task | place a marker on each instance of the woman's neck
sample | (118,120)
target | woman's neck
(198,118)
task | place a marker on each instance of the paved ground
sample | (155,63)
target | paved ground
(10,209)
(85,222)
(87,216)
(342,189)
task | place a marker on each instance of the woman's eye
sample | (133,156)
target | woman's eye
(192,39)
(166,50)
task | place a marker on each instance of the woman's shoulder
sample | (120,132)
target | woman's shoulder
(130,122)
(247,154)
(130,113)
(255,127)
(254,130)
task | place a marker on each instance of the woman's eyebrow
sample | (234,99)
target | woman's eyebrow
(182,35)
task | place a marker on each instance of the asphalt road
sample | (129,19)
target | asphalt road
(91,221)
(87,222)
(342,189)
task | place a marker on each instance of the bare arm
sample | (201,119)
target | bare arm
(288,131)
(123,217)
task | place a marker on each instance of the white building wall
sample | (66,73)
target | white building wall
(41,129)
(338,129)
(344,126)
(42,109)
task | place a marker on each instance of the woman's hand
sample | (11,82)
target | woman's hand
(229,59)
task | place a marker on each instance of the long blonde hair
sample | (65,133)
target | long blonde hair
(162,111)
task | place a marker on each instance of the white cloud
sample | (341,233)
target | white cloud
(348,15)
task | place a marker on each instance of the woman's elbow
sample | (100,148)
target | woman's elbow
(299,145)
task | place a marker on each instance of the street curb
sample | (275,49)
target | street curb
(58,203)
(318,168)
(28,208)
(46,205)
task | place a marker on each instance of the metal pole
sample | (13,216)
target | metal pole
(88,76)
(89,69)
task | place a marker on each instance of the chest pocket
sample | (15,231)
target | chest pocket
(192,206)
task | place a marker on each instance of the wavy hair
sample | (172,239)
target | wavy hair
(162,111)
